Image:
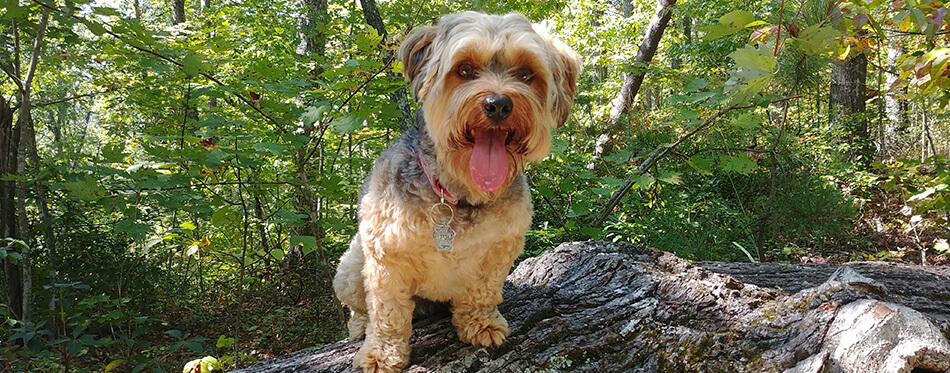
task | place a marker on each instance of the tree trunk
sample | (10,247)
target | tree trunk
(314,13)
(896,107)
(26,145)
(602,307)
(651,40)
(371,14)
(178,11)
(846,102)
(313,42)
(12,281)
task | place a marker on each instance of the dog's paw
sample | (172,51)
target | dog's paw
(483,330)
(357,325)
(378,359)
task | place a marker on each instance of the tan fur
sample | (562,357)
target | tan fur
(393,258)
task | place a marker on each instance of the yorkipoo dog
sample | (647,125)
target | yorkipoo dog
(443,214)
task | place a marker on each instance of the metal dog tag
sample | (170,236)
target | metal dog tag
(443,235)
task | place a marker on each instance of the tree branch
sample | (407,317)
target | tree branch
(174,62)
(70,98)
(658,154)
(37,48)
(202,185)
(651,40)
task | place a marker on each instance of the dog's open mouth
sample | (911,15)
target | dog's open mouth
(489,163)
(470,136)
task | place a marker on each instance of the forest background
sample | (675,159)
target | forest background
(178,178)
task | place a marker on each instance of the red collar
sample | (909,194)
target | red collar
(436,185)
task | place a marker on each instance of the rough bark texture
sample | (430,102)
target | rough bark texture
(371,14)
(9,137)
(846,100)
(896,105)
(651,39)
(602,307)
(178,11)
(313,16)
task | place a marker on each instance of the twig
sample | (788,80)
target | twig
(658,154)
(70,98)
(326,120)
(173,62)
(201,185)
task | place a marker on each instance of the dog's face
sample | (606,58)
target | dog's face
(492,89)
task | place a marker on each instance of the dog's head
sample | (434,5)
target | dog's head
(492,89)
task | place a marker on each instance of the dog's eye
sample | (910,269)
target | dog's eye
(465,71)
(524,74)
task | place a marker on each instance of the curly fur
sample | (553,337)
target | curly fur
(392,260)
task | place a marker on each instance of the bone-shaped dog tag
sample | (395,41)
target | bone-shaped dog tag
(443,235)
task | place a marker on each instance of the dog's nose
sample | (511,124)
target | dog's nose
(497,107)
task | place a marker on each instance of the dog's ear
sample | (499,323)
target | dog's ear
(414,53)
(566,70)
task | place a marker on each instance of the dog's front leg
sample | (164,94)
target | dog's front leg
(475,313)
(390,306)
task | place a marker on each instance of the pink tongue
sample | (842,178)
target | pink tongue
(489,163)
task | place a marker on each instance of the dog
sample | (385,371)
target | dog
(444,211)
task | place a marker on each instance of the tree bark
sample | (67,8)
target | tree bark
(371,14)
(603,307)
(313,42)
(26,145)
(896,107)
(846,102)
(651,40)
(178,11)
(314,14)
(12,281)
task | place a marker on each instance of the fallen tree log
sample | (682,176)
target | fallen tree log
(602,307)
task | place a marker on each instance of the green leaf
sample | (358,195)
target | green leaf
(192,64)
(347,123)
(188,225)
(112,365)
(132,228)
(223,216)
(729,24)
(224,342)
(174,333)
(753,62)
(307,243)
(700,164)
(194,346)
(277,254)
(106,11)
(87,189)
(644,181)
(740,163)
(818,40)
(670,177)
(746,121)
(714,32)
(214,157)
(748,91)
(314,113)
(737,18)
(275,149)
(113,152)
(696,84)
(94,27)
(73,347)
